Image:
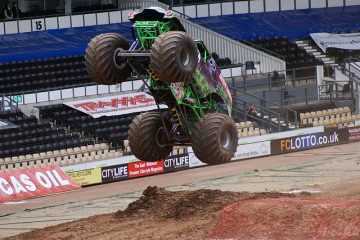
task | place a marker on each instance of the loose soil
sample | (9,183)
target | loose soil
(214,214)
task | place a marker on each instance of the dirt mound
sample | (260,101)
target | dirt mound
(289,218)
(182,204)
(158,214)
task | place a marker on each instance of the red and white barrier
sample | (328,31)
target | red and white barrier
(35,182)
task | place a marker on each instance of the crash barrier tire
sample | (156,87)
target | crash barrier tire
(174,57)
(100,59)
(214,138)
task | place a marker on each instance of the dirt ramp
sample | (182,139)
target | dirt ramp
(288,218)
(161,203)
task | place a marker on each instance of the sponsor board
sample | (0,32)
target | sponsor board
(141,168)
(354,134)
(243,151)
(114,173)
(193,160)
(115,105)
(176,163)
(252,150)
(86,177)
(100,164)
(35,182)
(357,123)
(332,40)
(308,141)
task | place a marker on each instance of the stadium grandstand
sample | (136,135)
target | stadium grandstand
(279,75)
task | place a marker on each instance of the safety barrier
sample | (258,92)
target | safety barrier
(129,167)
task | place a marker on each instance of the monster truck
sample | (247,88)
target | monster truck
(181,74)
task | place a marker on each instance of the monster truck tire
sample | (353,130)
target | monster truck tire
(174,57)
(100,59)
(214,138)
(146,137)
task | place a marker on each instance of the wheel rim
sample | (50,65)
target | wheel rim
(225,139)
(185,56)
(118,63)
(161,137)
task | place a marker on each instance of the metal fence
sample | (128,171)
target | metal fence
(272,115)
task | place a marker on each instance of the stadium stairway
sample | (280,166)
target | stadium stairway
(309,48)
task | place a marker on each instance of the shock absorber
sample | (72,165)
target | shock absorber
(175,117)
(152,73)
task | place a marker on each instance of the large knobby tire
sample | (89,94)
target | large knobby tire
(174,57)
(147,138)
(214,138)
(100,59)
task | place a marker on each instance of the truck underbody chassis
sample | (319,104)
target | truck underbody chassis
(139,60)
(174,133)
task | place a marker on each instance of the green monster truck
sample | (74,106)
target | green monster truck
(182,75)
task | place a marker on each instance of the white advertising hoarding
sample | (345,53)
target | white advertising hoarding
(342,41)
(115,105)
(243,151)
(252,150)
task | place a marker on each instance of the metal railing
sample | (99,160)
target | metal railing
(239,111)
(353,86)
(267,108)
(354,67)
(267,81)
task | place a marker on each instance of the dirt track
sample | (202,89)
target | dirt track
(200,214)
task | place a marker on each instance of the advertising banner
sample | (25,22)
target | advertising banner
(141,168)
(100,164)
(35,182)
(309,141)
(357,123)
(354,133)
(243,151)
(176,163)
(252,150)
(86,177)
(115,105)
(193,160)
(342,41)
(114,173)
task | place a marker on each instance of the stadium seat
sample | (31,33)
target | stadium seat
(118,153)
(263,132)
